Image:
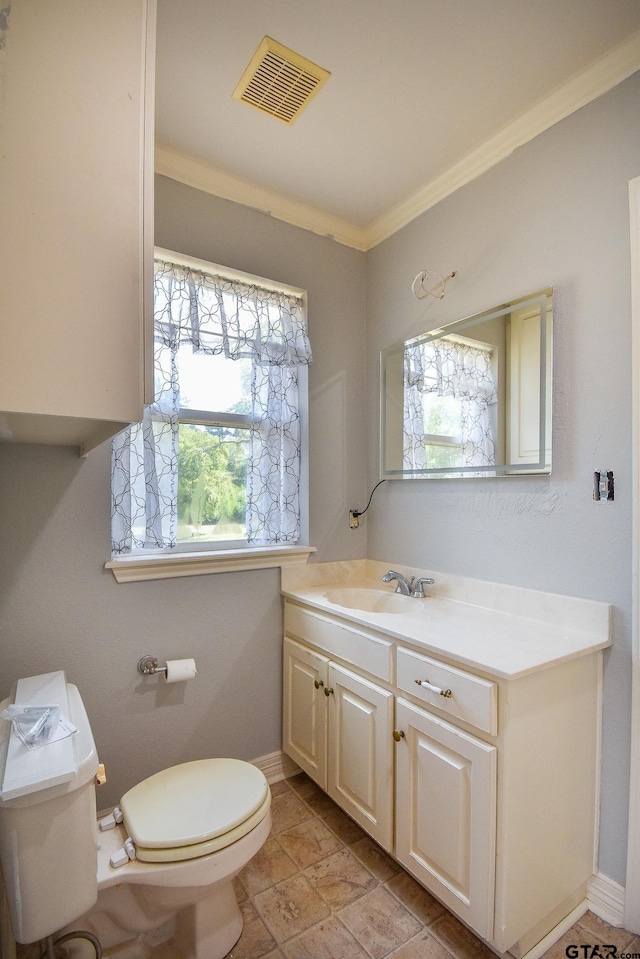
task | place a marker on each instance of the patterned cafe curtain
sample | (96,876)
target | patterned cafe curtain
(216,315)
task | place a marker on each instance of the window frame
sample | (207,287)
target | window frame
(187,559)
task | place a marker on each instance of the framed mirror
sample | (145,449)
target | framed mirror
(472,398)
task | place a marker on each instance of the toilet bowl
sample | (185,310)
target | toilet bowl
(165,870)
(193,828)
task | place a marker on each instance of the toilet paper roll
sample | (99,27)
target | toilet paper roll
(179,670)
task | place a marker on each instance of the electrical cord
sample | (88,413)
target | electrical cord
(355,512)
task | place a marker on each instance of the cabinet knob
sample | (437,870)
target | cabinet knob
(434,689)
(318,683)
(327,691)
(398,734)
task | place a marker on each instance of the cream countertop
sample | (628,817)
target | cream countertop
(505,631)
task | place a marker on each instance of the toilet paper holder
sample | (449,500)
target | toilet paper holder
(148,666)
(174,670)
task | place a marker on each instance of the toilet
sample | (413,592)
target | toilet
(161,866)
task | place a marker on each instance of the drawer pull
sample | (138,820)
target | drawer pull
(398,734)
(318,683)
(434,689)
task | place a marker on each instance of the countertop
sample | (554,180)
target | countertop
(497,639)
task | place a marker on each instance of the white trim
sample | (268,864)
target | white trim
(632,905)
(135,569)
(612,69)
(277,766)
(606,899)
(557,932)
(192,172)
(606,73)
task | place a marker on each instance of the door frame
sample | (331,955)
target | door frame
(632,890)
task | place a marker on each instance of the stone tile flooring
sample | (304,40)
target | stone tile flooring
(321,889)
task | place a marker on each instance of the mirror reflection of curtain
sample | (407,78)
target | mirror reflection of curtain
(449,368)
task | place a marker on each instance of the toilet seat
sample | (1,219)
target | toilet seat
(194,809)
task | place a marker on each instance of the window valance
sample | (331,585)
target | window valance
(220,315)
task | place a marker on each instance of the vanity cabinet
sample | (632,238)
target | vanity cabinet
(482,787)
(446,813)
(76,225)
(304,717)
(338,727)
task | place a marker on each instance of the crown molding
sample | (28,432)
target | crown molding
(606,73)
(201,176)
(602,76)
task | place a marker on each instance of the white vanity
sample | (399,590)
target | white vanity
(461,731)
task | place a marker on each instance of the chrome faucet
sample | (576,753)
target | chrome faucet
(403,586)
(408,587)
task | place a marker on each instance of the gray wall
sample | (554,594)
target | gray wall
(59,608)
(555,213)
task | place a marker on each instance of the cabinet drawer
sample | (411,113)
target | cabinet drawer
(371,653)
(472,699)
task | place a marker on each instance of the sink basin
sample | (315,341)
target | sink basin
(371,600)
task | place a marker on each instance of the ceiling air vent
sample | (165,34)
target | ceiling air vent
(279,81)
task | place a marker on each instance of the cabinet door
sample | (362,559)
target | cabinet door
(446,813)
(360,774)
(305,710)
(76,224)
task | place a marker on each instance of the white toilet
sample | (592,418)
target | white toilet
(191,829)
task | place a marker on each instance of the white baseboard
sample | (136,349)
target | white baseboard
(606,899)
(277,766)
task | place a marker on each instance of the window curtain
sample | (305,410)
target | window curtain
(216,315)
(449,368)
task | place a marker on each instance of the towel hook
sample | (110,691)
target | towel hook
(436,284)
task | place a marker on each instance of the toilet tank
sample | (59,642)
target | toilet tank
(47,825)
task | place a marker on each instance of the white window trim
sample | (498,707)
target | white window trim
(441,439)
(136,568)
(207,266)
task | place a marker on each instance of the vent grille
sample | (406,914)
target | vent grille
(279,81)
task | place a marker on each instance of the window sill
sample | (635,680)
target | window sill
(135,569)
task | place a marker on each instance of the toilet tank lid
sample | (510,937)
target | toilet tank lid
(35,775)
(193,802)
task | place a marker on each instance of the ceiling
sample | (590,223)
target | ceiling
(423,96)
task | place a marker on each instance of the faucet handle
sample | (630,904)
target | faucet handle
(417,586)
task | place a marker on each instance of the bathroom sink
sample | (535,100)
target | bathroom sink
(371,600)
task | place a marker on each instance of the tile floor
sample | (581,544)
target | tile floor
(321,889)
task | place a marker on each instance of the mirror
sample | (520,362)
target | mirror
(472,398)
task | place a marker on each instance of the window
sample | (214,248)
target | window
(217,459)
(213,447)
(442,417)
